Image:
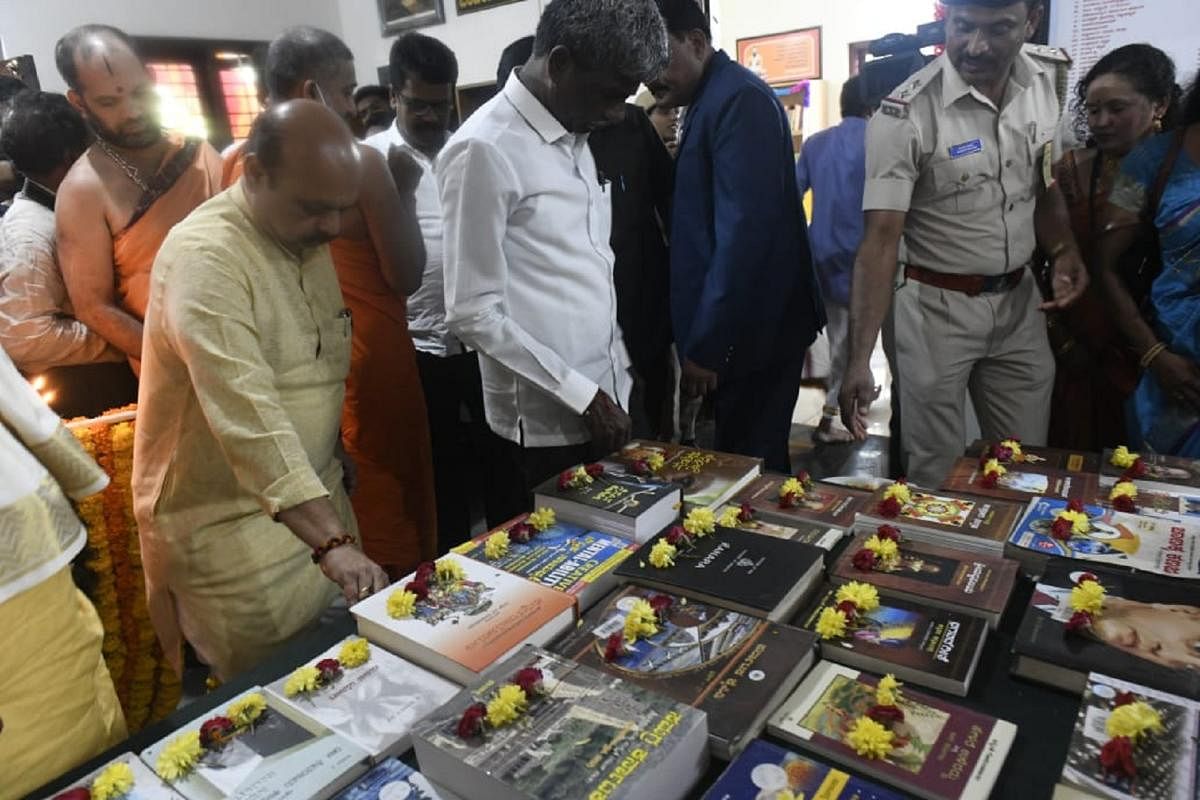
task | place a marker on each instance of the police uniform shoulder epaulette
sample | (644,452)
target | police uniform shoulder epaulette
(1053,54)
(897,103)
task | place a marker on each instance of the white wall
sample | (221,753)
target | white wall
(33,26)
(477,39)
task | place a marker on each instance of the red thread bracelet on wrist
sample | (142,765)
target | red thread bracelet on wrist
(337,541)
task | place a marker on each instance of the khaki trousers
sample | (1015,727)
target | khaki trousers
(994,346)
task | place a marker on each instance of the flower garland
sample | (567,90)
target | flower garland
(1130,722)
(650,465)
(539,521)
(1071,521)
(642,622)
(881,551)
(735,516)
(870,735)
(792,491)
(505,707)
(444,574)
(700,522)
(182,753)
(1124,493)
(354,653)
(1087,602)
(578,477)
(1132,463)
(895,498)
(852,599)
(993,471)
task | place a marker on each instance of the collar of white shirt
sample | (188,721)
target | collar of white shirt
(529,107)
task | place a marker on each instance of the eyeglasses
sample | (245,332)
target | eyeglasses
(419,106)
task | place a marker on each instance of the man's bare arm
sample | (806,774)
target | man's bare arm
(390,213)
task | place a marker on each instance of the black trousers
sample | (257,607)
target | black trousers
(652,402)
(754,413)
(515,471)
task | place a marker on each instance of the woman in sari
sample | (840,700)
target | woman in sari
(1129,95)
(1159,185)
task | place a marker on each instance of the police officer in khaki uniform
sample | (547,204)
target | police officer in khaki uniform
(954,164)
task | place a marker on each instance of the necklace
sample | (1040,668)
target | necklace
(130,170)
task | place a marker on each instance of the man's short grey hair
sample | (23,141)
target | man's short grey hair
(623,36)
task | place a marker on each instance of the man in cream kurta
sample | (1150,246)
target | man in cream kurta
(247,347)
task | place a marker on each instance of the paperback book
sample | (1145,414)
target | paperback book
(273,758)
(919,644)
(1131,541)
(1172,473)
(146,785)
(812,533)
(757,575)
(1177,503)
(1020,482)
(943,751)
(939,577)
(953,520)
(462,628)
(708,479)
(766,770)
(615,500)
(393,780)
(1045,457)
(566,557)
(374,704)
(823,503)
(585,733)
(1146,633)
(734,667)
(1165,760)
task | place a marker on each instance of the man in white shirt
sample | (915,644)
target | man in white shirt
(528,266)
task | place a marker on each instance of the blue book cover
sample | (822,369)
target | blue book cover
(765,771)
(392,779)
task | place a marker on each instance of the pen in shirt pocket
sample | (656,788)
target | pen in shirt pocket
(344,315)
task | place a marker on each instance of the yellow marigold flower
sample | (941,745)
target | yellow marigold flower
(302,681)
(401,603)
(1134,720)
(1088,596)
(1015,448)
(791,486)
(1122,458)
(831,624)
(113,782)
(887,691)
(543,519)
(994,466)
(700,522)
(179,756)
(641,622)
(496,546)
(1080,524)
(507,704)
(898,492)
(662,555)
(655,461)
(245,711)
(869,739)
(354,653)
(788,794)
(731,517)
(449,571)
(1123,489)
(863,595)
(885,549)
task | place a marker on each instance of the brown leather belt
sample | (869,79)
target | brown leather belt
(969,285)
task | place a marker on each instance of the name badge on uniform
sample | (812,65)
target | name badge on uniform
(966,148)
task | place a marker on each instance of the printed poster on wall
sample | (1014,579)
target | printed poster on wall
(467,6)
(782,59)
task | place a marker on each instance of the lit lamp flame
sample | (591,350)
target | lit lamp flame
(40,386)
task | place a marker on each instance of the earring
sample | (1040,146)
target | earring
(1158,124)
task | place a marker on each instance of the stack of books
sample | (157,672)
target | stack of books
(708,479)
(961,521)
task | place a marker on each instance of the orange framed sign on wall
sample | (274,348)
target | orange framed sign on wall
(781,59)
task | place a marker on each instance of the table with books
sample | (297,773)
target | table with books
(780,637)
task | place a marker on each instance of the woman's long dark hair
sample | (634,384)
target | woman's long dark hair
(1148,69)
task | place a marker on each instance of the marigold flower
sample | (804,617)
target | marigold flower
(354,653)
(831,624)
(542,520)
(864,596)
(792,487)
(179,756)
(506,705)
(115,781)
(641,622)
(1088,596)
(731,517)
(1122,458)
(301,681)
(449,571)
(496,546)
(245,711)
(899,492)
(887,691)
(869,739)
(662,554)
(401,604)
(700,522)
(1134,720)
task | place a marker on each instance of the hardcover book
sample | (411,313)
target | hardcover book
(374,705)
(765,770)
(275,758)
(746,572)
(952,520)
(1147,632)
(616,500)
(945,752)
(1177,503)
(824,503)
(1162,472)
(921,645)
(392,780)
(1046,457)
(1132,541)
(146,785)
(812,533)
(1021,482)
(1166,760)
(588,734)
(708,479)
(457,633)
(941,577)
(565,557)
(734,667)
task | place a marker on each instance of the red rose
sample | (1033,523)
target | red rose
(1084,577)
(419,587)
(888,532)
(885,715)
(425,570)
(614,647)
(1080,620)
(848,609)
(530,680)
(745,512)
(1117,757)
(989,480)
(1123,699)
(594,470)
(640,467)
(1124,503)
(1074,505)
(676,534)
(890,508)
(661,603)
(864,560)
(521,533)
(1061,529)
(1138,470)
(565,479)
(471,722)
(789,500)
(82,793)
(804,478)
(329,668)
(1001,453)
(215,731)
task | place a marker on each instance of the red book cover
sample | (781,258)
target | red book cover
(955,514)
(1047,457)
(823,503)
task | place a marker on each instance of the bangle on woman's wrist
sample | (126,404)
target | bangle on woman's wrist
(1154,352)
(333,543)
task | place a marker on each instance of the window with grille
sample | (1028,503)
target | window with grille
(179,97)
(239,91)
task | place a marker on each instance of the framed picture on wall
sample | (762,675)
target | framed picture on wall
(467,6)
(782,59)
(402,15)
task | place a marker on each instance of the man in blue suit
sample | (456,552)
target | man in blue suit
(744,298)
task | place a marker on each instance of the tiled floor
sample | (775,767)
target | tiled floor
(812,400)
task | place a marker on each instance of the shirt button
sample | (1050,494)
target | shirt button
(1008,163)
(1011,206)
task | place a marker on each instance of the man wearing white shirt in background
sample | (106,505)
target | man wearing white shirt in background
(528,266)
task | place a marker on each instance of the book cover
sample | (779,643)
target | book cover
(957,577)
(987,520)
(375,704)
(824,503)
(565,557)
(615,491)
(812,533)
(1147,633)
(729,665)
(751,571)
(1021,482)
(590,734)
(146,785)
(1178,503)
(766,770)
(275,758)
(1166,761)
(484,618)
(392,780)
(945,750)
(1160,469)
(1125,540)
(708,478)
(1046,457)
(938,646)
